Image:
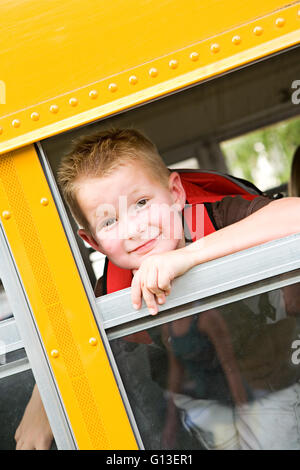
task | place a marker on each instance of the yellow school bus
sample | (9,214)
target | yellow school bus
(190,74)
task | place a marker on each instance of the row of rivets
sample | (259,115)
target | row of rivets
(7,214)
(258,31)
(55,353)
(153,72)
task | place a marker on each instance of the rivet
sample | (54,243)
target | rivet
(35,116)
(54,108)
(6,215)
(112,87)
(16,123)
(215,48)
(93,341)
(54,353)
(194,56)
(44,201)
(153,72)
(280,22)
(93,94)
(133,80)
(236,40)
(1,130)
(258,30)
(73,101)
(173,64)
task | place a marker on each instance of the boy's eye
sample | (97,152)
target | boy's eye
(141,203)
(108,222)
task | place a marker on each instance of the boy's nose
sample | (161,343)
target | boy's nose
(135,229)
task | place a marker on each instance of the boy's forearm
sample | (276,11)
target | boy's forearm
(278,219)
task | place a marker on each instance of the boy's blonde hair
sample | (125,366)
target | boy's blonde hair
(98,155)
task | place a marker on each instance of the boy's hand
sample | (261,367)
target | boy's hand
(152,281)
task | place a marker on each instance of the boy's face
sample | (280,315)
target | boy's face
(132,215)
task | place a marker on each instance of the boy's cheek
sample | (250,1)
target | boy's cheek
(112,249)
(159,217)
(172,227)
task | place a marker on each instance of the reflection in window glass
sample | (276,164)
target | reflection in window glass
(227,378)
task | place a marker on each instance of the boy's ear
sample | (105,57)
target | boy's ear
(88,238)
(176,189)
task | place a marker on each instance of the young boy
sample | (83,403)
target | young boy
(129,207)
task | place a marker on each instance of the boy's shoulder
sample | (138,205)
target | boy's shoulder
(233,209)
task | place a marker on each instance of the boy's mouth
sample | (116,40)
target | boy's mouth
(145,247)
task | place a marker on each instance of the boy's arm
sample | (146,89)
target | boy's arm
(152,281)
(278,219)
(34,432)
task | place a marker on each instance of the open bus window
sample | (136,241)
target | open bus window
(238,356)
(226,378)
(195,127)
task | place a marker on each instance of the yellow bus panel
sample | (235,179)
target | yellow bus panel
(59,303)
(67,63)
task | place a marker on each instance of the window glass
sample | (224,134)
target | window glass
(227,378)
(265,155)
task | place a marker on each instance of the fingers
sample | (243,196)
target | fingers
(30,445)
(136,291)
(150,301)
(44,444)
(152,285)
(164,281)
(141,291)
(32,441)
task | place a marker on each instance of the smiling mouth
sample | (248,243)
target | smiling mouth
(145,247)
